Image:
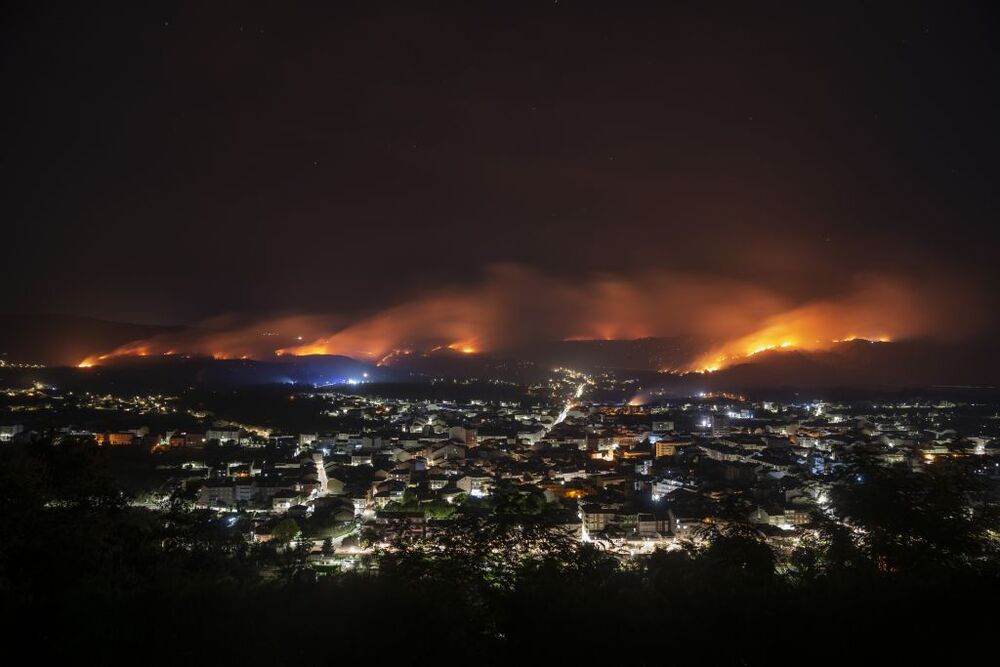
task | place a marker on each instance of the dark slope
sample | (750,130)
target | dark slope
(65,340)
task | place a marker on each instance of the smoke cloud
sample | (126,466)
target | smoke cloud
(514,305)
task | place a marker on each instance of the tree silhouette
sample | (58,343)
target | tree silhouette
(285,531)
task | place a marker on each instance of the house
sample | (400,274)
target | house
(597,517)
(282,501)
(449,451)
(475,485)
(669,447)
(8,433)
(226,494)
(335,486)
(782,517)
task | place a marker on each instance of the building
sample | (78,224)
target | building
(669,447)
(7,433)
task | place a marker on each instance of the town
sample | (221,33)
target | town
(494,333)
(631,476)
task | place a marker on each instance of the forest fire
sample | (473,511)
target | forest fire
(717,361)
(819,326)
(728,321)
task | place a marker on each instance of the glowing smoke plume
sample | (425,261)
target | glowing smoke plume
(730,320)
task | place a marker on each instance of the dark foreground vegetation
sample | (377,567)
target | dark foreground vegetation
(902,570)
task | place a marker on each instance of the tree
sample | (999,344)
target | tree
(901,519)
(285,531)
(739,548)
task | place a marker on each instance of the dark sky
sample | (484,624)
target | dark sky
(168,162)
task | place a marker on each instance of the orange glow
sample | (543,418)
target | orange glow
(852,338)
(804,329)
(719,321)
(866,314)
(93,360)
(387,359)
(465,347)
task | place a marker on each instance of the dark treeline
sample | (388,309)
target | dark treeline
(902,568)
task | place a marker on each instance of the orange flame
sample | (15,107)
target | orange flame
(728,320)
(820,326)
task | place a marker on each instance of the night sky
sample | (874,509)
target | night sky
(165,163)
